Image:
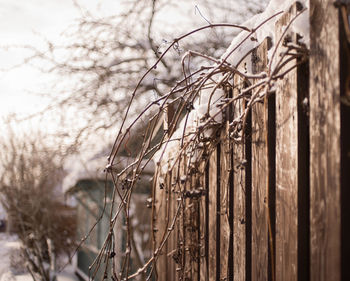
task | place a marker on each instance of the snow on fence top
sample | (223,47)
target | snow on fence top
(300,26)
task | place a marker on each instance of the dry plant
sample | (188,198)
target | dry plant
(31,171)
(190,135)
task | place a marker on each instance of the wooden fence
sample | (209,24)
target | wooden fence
(274,207)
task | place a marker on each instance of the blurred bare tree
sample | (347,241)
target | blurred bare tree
(31,171)
(106,57)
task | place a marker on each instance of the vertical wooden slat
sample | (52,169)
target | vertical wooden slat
(203,219)
(218,209)
(248,194)
(230,116)
(160,226)
(224,204)
(171,205)
(168,219)
(193,228)
(186,222)
(345,147)
(286,165)
(164,213)
(239,218)
(259,175)
(324,141)
(181,234)
(212,216)
(207,218)
(172,245)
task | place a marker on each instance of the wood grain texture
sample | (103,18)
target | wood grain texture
(324,141)
(239,218)
(259,175)
(165,211)
(345,149)
(286,164)
(224,202)
(193,230)
(160,226)
(186,239)
(172,243)
(212,259)
(203,224)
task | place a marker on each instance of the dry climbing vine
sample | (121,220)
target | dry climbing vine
(188,139)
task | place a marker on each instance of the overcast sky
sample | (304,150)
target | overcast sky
(23,22)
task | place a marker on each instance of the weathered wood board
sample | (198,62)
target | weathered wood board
(160,227)
(239,199)
(203,222)
(324,141)
(286,162)
(259,176)
(212,235)
(224,202)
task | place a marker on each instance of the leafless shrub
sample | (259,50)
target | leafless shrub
(31,171)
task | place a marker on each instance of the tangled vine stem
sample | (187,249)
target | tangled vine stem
(193,139)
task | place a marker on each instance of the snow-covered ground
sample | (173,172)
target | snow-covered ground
(11,267)
(8,244)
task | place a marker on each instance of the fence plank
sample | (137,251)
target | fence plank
(186,222)
(345,146)
(224,204)
(286,164)
(212,259)
(165,210)
(239,218)
(203,223)
(181,222)
(324,141)
(259,176)
(193,229)
(160,226)
(172,244)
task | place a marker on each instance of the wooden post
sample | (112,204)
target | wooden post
(163,209)
(203,222)
(212,235)
(344,35)
(292,164)
(239,200)
(160,226)
(286,164)
(171,244)
(324,141)
(225,157)
(191,227)
(259,176)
